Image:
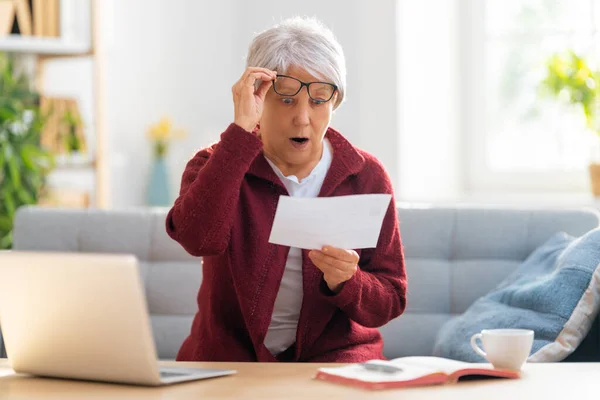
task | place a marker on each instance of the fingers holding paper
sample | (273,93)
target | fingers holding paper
(337,265)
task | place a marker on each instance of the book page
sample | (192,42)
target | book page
(358,372)
(440,364)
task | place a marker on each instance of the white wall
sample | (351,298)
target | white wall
(173,58)
(181,57)
(429,90)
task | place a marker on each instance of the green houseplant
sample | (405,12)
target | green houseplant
(570,78)
(24,165)
(73,122)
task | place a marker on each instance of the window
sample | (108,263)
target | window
(517,141)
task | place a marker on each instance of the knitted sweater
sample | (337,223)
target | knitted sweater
(224,213)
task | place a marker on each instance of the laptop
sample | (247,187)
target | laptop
(82,316)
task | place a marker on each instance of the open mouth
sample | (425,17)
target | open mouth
(300,140)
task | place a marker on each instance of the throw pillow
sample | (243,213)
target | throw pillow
(555,292)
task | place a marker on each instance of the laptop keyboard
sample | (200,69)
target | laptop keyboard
(165,374)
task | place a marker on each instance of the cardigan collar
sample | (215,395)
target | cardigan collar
(346,161)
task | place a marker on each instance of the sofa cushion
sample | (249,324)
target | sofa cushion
(555,292)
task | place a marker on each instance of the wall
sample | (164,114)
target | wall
(173,59)
(182,57)
(429,90)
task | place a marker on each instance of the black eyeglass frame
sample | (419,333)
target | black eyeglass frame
(307,84)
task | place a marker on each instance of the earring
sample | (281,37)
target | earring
(256,130)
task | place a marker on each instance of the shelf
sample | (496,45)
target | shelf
(43,45)
(74,162)
(75,167)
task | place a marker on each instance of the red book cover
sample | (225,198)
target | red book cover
(409,371)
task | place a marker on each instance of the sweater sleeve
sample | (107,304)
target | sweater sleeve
(202,215)
(376,293)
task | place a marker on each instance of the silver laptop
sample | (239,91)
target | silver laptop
(81,316)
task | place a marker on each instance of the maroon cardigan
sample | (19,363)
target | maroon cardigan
(224,213)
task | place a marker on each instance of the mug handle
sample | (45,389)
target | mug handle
(476,347)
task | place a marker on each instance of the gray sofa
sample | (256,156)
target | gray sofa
(453,256)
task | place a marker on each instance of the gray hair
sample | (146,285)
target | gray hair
(304,43)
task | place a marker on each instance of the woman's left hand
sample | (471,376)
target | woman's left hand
(337,265)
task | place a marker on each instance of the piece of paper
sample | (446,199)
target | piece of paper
(346,222)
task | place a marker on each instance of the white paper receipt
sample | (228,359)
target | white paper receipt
(346,222)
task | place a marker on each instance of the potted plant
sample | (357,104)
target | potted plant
(24,165)
(73,141)
(570,78)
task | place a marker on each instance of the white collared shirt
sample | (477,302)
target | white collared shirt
(284,321)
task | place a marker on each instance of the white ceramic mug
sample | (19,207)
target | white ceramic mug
(504,348)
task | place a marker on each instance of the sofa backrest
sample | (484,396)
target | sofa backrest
(453,256)
(171,276)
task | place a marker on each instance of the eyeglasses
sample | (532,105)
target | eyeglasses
(288,86)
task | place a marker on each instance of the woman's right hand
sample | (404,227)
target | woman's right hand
(248,102)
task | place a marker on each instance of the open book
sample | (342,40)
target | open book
(413,371)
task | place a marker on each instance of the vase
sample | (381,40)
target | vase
(158,186)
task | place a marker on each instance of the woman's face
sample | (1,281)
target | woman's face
(292,127)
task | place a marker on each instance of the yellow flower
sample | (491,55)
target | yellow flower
(161,133)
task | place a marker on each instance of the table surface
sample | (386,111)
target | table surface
(295,381)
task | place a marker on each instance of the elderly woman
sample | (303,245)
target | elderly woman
(264,302)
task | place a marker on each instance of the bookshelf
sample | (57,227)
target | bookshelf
(49,47)
(67,33)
